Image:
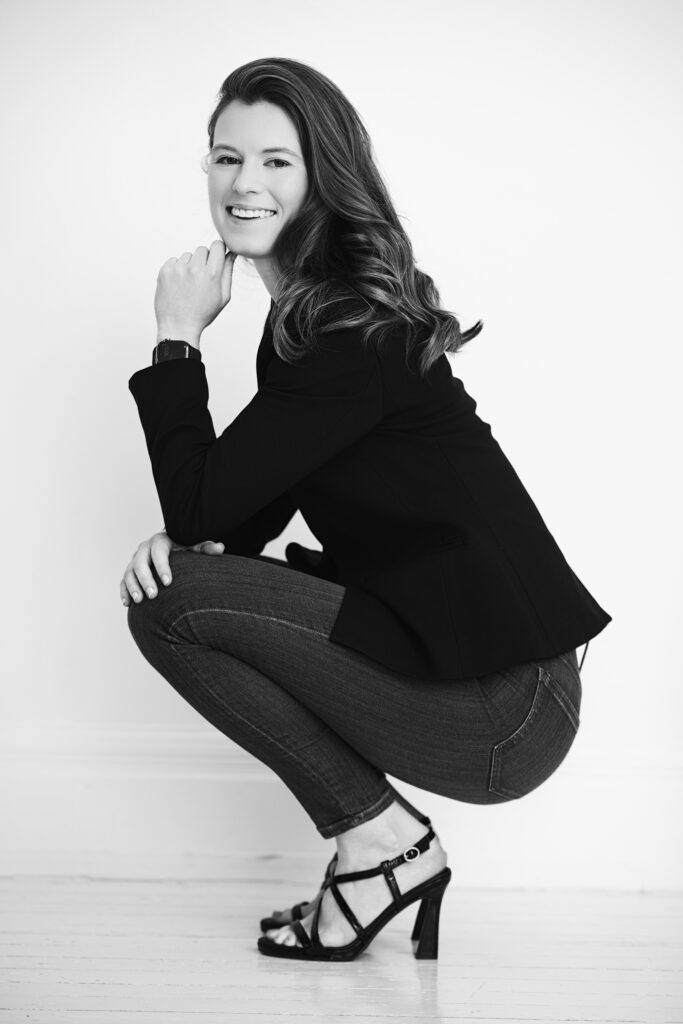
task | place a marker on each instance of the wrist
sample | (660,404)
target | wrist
(174,348)
(192,337)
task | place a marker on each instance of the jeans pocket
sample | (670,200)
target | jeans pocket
(530,755)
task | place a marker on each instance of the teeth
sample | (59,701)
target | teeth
(250,214)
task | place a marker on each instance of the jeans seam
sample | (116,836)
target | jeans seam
(563,699)
(327,784)
(253,615)
(316,739)
(574,671)
(497,751)
(358,817)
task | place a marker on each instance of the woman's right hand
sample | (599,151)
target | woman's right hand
(138,579)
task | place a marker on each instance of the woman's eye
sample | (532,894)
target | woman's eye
(275,160)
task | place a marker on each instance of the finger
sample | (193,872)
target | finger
(200,255)
(144,574)
(161,562)
(211,547)
(132,585)
(185,257)
(203,545)
(123,592)
(217,256)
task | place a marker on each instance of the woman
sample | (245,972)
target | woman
(434,636)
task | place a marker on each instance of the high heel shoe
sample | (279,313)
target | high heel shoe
(296,910)
(267,923)
(425,930)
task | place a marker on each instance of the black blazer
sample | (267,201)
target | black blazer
(449,569)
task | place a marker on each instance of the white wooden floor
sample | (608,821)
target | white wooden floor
(90,950)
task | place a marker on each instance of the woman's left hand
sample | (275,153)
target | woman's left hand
(192,290)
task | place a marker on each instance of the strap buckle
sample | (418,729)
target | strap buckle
(415,853)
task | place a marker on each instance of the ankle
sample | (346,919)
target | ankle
(382,836)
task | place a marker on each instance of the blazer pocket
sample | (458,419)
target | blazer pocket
(527,758)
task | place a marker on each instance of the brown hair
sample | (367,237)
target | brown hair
(346,242)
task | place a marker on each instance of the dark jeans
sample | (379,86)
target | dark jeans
(245,641)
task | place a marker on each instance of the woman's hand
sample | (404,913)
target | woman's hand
(311,561)
(192,290)
(138,578)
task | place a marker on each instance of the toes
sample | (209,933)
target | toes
(282,935)
(287,936)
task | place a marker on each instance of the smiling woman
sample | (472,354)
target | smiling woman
(250,184)
(433,637)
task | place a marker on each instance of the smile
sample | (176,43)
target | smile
(237,214)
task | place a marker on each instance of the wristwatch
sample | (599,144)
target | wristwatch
(173,348)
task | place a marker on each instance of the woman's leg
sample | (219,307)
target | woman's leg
(246,642)
(205,634)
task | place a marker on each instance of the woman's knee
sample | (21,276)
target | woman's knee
(195,580)
(153,616)
(144,619)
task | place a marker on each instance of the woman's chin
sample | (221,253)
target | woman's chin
(249,252)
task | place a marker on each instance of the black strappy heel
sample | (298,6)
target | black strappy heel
(425,930)
(296,911)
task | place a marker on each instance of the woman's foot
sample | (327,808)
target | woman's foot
(365,846)
(285,916)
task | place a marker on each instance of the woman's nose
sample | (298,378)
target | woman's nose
(246,180)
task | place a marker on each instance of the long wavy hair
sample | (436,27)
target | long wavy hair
(346,246)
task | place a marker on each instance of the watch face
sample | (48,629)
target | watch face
(171,348)
(174,348)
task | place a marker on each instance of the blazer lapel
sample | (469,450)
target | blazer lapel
(265,350)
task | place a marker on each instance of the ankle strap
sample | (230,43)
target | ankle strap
(412,853)
(385,868)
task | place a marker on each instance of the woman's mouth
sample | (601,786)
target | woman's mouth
(248,216)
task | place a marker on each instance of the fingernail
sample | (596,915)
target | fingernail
(136,596)
(166,579)
(151,591)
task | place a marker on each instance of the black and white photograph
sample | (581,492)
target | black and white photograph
(343,516)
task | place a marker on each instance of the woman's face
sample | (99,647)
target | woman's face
(241,172)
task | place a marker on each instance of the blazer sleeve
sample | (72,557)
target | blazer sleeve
(250,537)
(303,414)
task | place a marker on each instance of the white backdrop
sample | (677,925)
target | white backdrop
(546,137)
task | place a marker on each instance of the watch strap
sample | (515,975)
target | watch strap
(174,348)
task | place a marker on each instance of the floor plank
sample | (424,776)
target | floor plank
(90,950)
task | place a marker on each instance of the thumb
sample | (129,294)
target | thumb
(207,547)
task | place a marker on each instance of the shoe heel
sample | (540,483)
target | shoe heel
(426,928)
(417,927)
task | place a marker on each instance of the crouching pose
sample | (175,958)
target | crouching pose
(433,634)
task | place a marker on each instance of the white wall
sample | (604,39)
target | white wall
(533,150)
